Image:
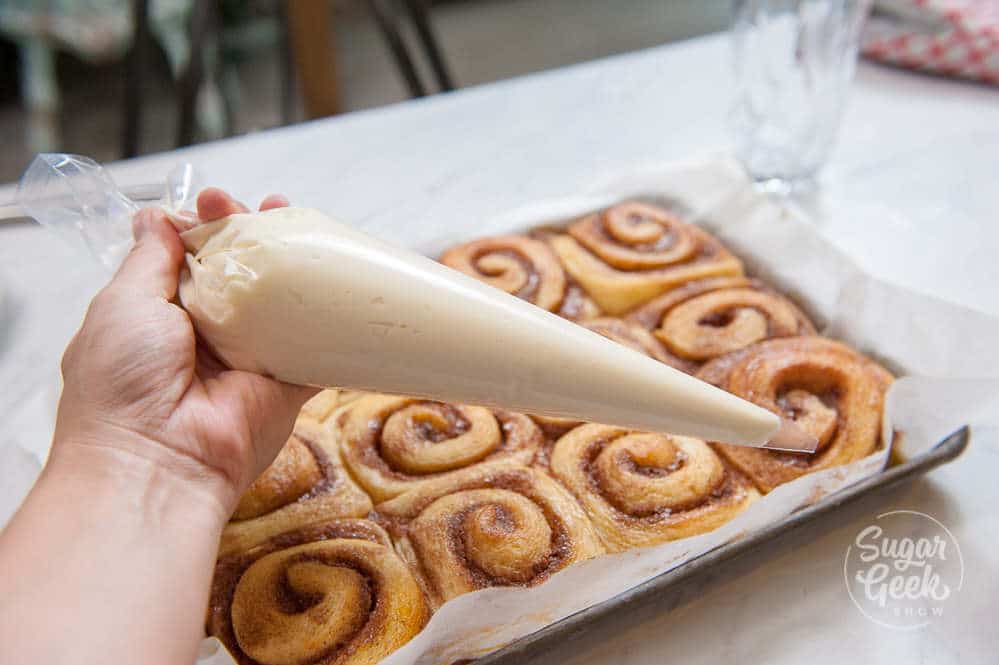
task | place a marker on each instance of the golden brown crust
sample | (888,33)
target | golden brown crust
(640,489)
(322,406)
(492,525)
(826,387)
(307,482)
(707,318)
(631,252)
(394,444)
(332,592)
(553,428)
(290,476)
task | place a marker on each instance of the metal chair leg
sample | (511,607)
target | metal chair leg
(287,66)
(387,23)
(421,19)
(40,92)
(202,15)
(135,72)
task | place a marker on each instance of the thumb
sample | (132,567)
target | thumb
(152,267)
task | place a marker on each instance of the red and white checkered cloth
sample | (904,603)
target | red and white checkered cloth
(949,37)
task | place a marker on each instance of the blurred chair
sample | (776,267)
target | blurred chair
(203,48)
(200,53)
(387,15)
(187,31)
(103,30)
(95,31)
(310,33)
(310,51)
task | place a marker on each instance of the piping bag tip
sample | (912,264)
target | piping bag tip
(792,438)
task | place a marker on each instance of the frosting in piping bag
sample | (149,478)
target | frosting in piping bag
(289,293)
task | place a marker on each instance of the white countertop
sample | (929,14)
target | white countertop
(910,192)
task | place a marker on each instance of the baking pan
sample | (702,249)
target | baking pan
(674,587)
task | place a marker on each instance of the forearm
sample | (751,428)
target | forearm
(109,559)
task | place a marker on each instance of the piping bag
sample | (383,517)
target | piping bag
(292,294)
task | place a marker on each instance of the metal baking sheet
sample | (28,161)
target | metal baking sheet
(676,586)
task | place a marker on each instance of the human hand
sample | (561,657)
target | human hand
(138,383)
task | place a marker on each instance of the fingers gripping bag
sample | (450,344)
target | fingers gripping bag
(75,197)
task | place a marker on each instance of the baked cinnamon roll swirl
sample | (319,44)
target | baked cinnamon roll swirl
(306,482)
(394,444)
(641,489)
(824,386)
(492,525)
(332,592)
(708,318)
(632,252)
(524,267)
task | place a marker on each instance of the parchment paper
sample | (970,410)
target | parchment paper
(945,354)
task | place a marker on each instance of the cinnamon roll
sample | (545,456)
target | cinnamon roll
(641,489)
(553,428)
(331,592)
(708,318)
(321,407)
(632,252)
(306,482)
(824,386)
(492,525)
(524,267)
(630,335)
(394,444)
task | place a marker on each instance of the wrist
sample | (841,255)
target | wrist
(141,482)
(114,549)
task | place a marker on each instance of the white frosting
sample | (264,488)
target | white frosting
(291,294)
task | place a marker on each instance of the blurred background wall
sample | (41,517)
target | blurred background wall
(112,78)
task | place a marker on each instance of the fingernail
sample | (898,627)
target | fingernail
(182,220)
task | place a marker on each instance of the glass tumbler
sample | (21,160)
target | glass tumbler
(794,60)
